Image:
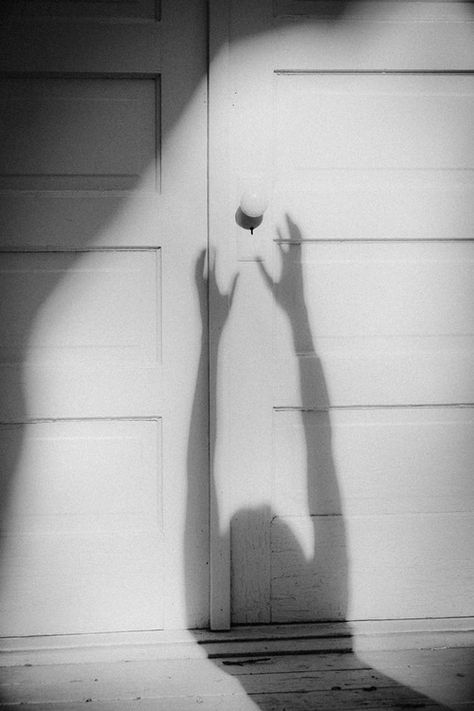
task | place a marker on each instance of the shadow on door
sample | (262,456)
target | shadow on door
(303,686)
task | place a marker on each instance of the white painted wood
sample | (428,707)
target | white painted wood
(60,52)
(386,578)
(132,446)
(392,122)
(394,176)
(385,9)
(251,466)
(66,154)
(375,474)
(242,641)
(121,342)
(241,474)
(71,10)
(391,322)
(103,185)
(125,330)
(358,126)
(221,252)
(379,36)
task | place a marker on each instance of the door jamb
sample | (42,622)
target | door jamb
(219,209)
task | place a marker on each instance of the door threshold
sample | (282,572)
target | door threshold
(239,641)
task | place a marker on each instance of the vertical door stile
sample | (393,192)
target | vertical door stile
(220,253)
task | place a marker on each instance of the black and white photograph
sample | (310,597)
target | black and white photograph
(236,355)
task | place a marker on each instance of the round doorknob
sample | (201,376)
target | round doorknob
(253,204)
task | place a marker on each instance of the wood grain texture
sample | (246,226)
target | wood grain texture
(392,680)
(398,566)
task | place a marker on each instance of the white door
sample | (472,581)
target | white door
(103,218)
(344,446)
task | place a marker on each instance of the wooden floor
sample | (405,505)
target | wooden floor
(407,679)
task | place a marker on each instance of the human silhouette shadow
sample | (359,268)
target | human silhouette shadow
(325,575)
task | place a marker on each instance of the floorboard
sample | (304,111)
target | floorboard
(402,679)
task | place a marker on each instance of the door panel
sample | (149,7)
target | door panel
(103,210)
(386,580)
(397,479)
(394,176)
(89,519)
(90,134)
(391,323)
(399,508)
(392,122)
(102,321)
(346,377)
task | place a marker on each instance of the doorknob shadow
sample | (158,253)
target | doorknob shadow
(318,585)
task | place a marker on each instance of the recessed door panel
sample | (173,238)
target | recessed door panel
(87,501)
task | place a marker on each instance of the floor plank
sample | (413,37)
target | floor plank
(423,679)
